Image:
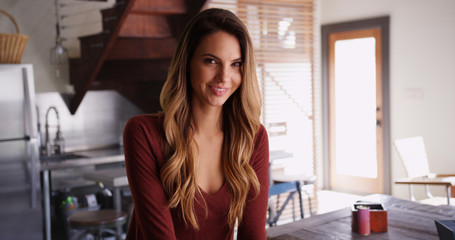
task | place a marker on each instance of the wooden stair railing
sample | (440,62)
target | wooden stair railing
(133,52)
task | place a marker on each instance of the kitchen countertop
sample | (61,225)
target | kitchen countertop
(82,159)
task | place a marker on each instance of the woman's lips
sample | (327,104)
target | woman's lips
(218,91)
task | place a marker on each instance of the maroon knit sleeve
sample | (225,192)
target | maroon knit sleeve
(151,217)
(253,224)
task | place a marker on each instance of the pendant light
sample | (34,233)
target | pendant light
(59,54)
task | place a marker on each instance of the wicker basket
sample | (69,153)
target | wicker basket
(12,46)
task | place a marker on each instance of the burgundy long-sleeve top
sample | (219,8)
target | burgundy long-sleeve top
(151,219)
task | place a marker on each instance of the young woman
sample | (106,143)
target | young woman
(200,166)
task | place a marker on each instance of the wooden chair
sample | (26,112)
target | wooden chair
(414,157)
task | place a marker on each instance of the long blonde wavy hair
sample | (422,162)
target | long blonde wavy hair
(240,122)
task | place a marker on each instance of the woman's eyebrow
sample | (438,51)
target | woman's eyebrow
(217,58)
(210,55)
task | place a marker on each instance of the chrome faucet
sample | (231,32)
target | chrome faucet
(59,143)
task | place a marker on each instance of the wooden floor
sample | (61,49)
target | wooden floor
(438,201)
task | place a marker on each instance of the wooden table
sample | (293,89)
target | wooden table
(406,220)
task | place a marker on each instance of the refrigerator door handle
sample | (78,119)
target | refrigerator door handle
(31,131)
(26,138)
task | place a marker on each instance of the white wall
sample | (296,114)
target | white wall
(422,73)
(36,18)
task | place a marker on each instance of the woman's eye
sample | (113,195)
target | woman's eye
(237,64)
(210,61)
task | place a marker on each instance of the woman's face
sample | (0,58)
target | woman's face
(215,69)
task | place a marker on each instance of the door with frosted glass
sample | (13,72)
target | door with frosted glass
(355,111)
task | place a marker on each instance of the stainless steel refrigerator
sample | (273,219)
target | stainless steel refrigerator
(19,155)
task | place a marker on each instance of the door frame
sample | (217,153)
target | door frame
(383,24)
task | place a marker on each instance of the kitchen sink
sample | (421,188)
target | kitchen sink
(61,157)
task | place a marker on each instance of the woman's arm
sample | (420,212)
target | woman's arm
(255,213)
(152,218)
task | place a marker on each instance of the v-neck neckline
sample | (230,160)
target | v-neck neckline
(213,194)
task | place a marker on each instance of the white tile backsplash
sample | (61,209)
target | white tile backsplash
(98,121)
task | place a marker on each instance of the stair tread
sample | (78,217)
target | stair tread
(96,35)
(142,48)
(144,25)
(159,6)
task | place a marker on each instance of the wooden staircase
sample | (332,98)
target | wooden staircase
(133,52)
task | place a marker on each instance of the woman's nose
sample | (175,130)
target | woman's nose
(224,74)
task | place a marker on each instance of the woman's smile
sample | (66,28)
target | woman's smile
(219,91)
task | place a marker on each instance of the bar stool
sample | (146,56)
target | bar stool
(98,222)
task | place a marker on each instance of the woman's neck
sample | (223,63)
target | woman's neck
(206,120)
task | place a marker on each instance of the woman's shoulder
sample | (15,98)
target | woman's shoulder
(261,134)
(148,122)
(152,118)
(261,142)
(260,156)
